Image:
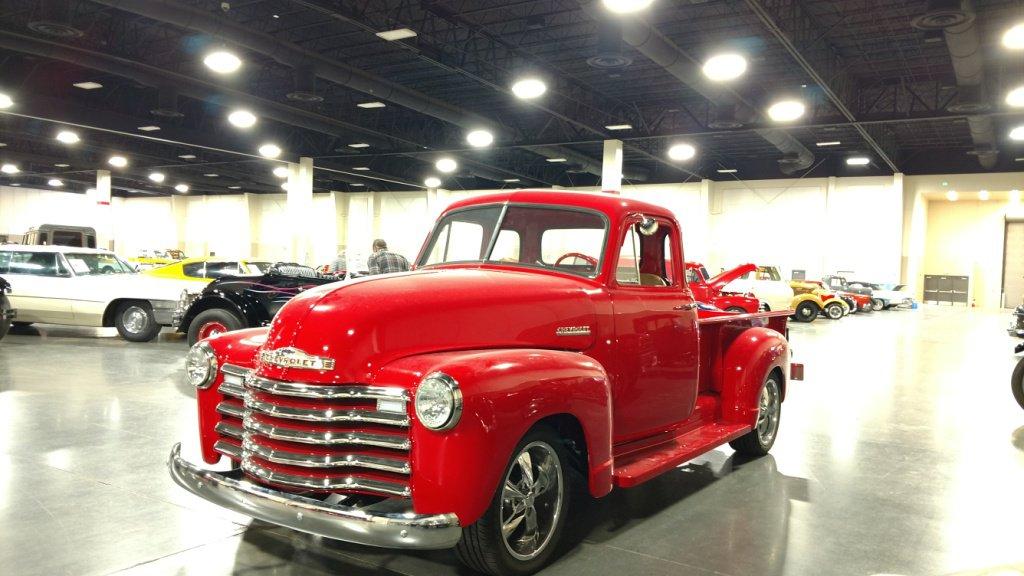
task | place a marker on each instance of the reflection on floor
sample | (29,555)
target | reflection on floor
(902,453)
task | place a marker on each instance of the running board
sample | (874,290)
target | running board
(639,467)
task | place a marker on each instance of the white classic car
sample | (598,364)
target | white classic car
(767,285)
(86,287)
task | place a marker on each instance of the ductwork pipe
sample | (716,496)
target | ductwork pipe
(964,46)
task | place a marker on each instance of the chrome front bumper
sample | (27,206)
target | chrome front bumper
(388,524)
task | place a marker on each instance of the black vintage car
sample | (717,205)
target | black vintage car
(6,313)
(1017,379)
(235,302)
(1016,327)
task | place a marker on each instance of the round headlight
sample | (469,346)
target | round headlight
(201,365)
(438,401)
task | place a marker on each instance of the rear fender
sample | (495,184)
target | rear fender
(746,365)
(801,298)
(505,393)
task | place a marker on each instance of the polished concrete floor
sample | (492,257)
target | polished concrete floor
(901,453)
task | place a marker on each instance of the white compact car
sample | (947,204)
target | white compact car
(767,285)
(86,287)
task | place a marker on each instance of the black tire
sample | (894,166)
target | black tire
(135,321)
(834,311)
(226,318)
(1017,382)
(877,304)
(736,309)
(806,311)
(760,440)
(21,324)
(484,549)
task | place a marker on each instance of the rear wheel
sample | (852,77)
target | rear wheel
(806,311)
(212,322)
(877,304)
(834,311)
(520,530)
(135,321)
(1017,382)
(760,440)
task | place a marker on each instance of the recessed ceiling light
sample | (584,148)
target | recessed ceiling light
(529,88)
(182,188)
(725,67)
(555,159)
(56,183)
(432,182)
(157,177)
(359,145)
(727,170)
(858,161)
(511,180)
(63,165)
(242,118)
(983,195)
(15,184)
(371,104)
(619,127)
(187,156)
(275,16)
(952,196)
(2,145)
(786,110)
(88,85)
(117,161)
(682,152)
(480,138)
(1014,37)
(222,62)
(5,101)
(397,34)
(356,184)
(1017,133)
(9,169)
(446,165)
(362,168)
(1015,196)
(626,6)
(1015,97)
(830,143)
(270,150)
(1021,159)
(281,171)
(68,137)
(148,128)
(234,187)
(212,175)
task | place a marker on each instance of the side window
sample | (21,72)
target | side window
(5,262)
(33,263)
(221,269)
(506,247)
(627,267)
(194,269)
(667,261)
(692,276)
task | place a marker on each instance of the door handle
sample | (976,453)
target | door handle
(690,306)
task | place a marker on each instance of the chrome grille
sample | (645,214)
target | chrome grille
(313,436)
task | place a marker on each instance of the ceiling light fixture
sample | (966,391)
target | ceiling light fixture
(1014,37)
(727,171)
(234,187)
(952,196)
(212,175)
(118,161)
(432,182)
(281,171)
(68,137)
(371,104)
(1015,97)
(157,177)
(55,182)
(446,165)
(270,150)
(5,101)
(356,184)
(63,165)
(362,168)
(983,195)
(725,67)
(222,62)
(183,188)
(9,169)
(682,152)
(555,160)
(510,180)
(397,34)
(187,156)
(242,118)
(529,88)
(858,161)
(88,85)
(479,138)
(359,145)
(626,6)
(786,110)
(1017,133)
(829,143)
(2,144)
(619,127)
(148,128)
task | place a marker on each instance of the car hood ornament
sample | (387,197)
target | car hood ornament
(295,358)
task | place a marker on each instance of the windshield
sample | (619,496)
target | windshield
(257,268)
(89,264)
(558,238)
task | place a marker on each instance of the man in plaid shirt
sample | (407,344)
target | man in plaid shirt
(384,262)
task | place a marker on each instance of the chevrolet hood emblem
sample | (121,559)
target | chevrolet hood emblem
(295,358)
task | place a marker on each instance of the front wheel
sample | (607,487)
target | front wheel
(522,527)
(760,440)
(877,304)
(1017,383)
(212,322)
(834,311)
(806,312)
(136,322)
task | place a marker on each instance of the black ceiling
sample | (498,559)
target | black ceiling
(872,80)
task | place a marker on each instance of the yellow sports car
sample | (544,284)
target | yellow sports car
(152,258)
(208,269)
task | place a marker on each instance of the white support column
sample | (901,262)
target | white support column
(300,207)
(611,168)
(101,200)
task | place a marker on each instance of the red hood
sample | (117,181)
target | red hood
(370,322)
(719,282)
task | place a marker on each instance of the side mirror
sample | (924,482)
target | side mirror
(648,226)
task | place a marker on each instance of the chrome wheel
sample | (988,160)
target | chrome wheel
(768,410)
(531,500)
(135,319)
(834,311)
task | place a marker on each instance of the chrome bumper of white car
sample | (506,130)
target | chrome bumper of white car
(388,524)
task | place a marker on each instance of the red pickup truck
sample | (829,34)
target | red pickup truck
(708,289)
(546,339)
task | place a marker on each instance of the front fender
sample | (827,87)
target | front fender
(505,392)
(746,365)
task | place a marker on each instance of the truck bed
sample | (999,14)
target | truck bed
(717,332)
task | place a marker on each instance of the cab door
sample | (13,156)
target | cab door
(656,334)
(40,285)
